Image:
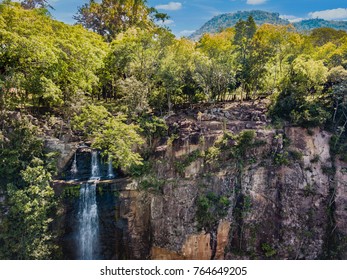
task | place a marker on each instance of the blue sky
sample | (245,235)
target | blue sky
(187,16)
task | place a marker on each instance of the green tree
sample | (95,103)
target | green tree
(117,140)
(280,45)
(134,96)
(26,228)
(43,62)
(135,54)
(323,35)
(174,85)
(110,134)
(214,78)
(247,55)
(111,17)
(303,100)
(18,147)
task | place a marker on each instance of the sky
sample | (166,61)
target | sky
(188,16)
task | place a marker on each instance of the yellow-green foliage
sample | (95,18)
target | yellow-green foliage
(48,62)
(110,134)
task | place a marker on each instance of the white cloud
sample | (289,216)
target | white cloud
(172,6)
(255,2)
(297,19)
(291,18)
(186,32)
(168,22)
(340,13)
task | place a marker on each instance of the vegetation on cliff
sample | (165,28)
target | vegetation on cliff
(116,89)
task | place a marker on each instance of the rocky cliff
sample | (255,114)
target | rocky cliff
(278,194)
(226,184)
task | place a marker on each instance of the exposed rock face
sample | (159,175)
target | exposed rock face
(341,208)
(135,212)
(288,204)
(282,195)
(66,151)
(222,239)
(173,215)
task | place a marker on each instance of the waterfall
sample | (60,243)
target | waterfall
(88,220)
(88,223)
(110,173)
(74,169)
(95,166)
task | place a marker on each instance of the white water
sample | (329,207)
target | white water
(95,166)
(74,169)
(110,173)
(88,233)
(88,220)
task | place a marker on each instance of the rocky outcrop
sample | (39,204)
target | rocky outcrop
(287,215)
(340,214)
(281,194)
(65,151)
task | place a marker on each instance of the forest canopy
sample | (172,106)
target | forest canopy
(116,75)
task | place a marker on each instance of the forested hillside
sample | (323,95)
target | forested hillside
(220,22)
(113,82)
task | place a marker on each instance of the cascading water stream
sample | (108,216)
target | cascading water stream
(88,238)
(110,173)
(95,167)
(88,220)
(74,169)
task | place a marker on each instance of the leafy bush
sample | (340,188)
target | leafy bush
(152,127)
(138,170)
(268,250)
(296,155)
(152,183)
(281,159)
(211,208)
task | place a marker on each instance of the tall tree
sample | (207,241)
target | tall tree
(111,17)
(244,33)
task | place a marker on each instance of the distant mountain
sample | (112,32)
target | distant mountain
(223,21)
(309,24)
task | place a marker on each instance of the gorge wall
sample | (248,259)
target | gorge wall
(282,196)
(286,201)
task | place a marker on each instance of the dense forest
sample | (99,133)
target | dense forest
(115,77)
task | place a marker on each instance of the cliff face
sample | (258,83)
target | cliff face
(228,185)
(285,198)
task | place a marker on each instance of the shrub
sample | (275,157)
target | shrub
(296,155)
(281,159)
(268,250)
(210,209)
